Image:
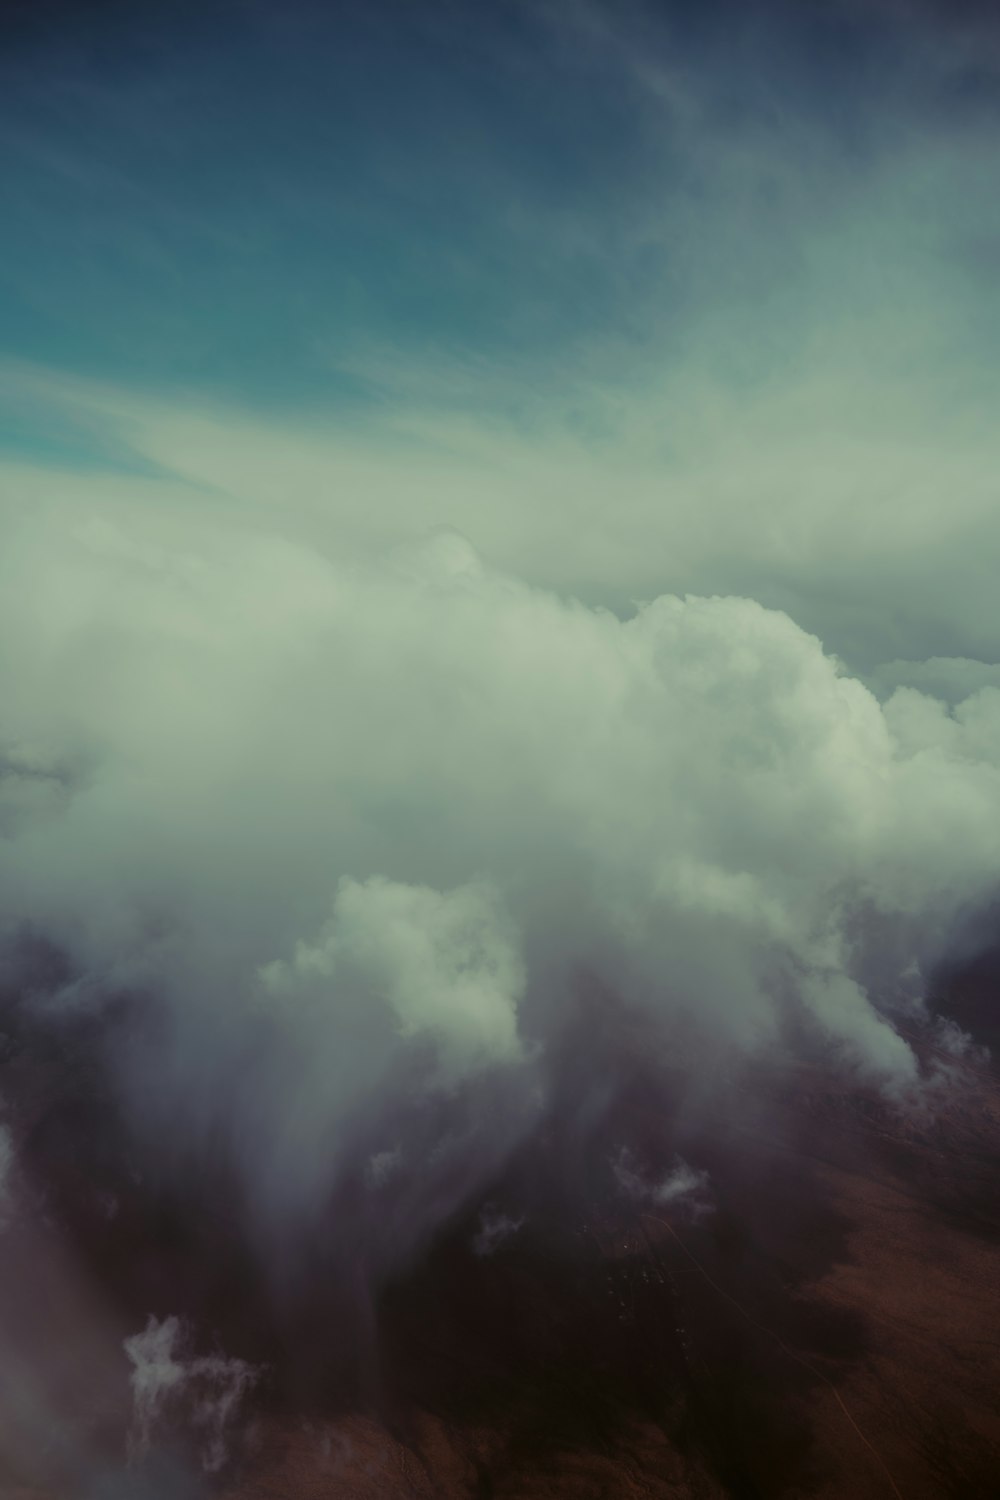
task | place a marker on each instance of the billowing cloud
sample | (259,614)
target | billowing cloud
(441,962)
(355,827)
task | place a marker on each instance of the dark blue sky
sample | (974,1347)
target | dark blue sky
(231,196)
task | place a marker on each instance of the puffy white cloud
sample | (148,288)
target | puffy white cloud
(358,825)
(442,962)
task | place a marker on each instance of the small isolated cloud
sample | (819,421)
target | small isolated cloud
(951,1039)
(955,1046)
(495,1227)
(383,1166)
(170,1384)
(6,1169)
(684,1188)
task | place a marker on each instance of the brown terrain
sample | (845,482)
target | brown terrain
(828,1325)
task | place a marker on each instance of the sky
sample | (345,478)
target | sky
(489,493)
(637,298)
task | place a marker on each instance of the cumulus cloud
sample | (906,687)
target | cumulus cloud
(355,826)
(442,962)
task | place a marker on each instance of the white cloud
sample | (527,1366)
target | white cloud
(156,1377)
(170,1385)
(443,962)
(487,784)
(309,744)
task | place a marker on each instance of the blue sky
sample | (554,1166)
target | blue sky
(660,275)
(235,196)
(233,203)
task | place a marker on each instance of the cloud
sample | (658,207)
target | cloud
(950,679)
(684,1188)
(7,1161)
(355,825)
(383,1165)
(442,962)
(494,1228)
(170,1384)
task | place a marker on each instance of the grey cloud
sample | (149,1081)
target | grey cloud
(685,1189)
(951,679)
(495,1227)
